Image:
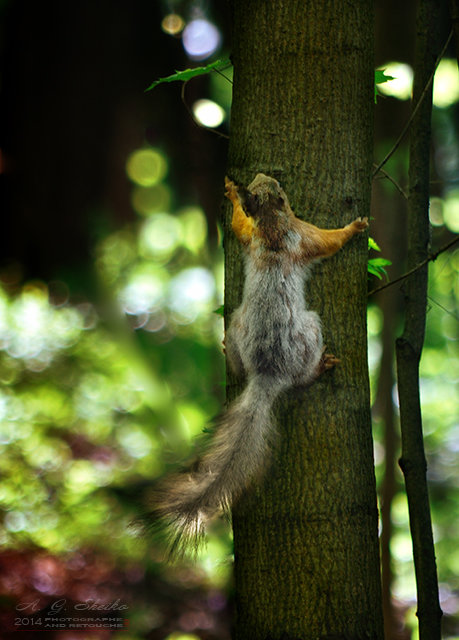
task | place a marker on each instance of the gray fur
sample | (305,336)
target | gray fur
(275,342)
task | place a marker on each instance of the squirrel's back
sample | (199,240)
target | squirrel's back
(272,328)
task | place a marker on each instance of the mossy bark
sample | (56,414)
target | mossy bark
(306,544)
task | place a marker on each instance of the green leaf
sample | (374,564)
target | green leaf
(376,267)
(220,311)
(380,78)
(372,244)
(373,271)
(187,74)
(380,262)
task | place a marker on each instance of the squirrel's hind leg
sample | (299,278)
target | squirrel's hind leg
(233,354)
(311,346)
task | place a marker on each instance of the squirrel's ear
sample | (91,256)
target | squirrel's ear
(276,202)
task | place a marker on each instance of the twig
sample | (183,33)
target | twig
(220,73)
(451,313)
(430,258)
(415,110)
(391,179)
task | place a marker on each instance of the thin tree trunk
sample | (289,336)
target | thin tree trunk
(388,209)
(391,444)
(395,33)
(306,546)
(409,345)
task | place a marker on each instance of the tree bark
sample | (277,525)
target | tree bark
(306,545)
(409,345)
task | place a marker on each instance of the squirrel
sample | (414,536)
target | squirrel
(272,340)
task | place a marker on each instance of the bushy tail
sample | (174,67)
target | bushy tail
(185,502)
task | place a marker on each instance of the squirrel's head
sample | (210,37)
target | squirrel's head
(265,201)
(262,193)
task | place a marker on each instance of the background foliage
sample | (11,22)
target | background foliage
(110,353)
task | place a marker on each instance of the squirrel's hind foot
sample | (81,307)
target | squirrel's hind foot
(327,361)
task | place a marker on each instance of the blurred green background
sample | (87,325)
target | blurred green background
(111,272)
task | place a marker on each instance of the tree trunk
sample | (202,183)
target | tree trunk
(409,345)
(394,41)
(306,545)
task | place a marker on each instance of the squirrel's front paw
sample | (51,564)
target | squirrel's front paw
(360,224)
(230,189)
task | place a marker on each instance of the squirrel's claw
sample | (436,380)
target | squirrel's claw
(360,224)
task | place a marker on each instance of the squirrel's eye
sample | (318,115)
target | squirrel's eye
(252,203)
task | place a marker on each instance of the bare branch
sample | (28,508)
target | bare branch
(451,313)
(391,179)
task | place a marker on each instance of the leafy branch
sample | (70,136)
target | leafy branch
(416,108)
(224,63)
(376,266)
(430,258)
(187,74)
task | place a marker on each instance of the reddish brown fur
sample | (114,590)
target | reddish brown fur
(273,221)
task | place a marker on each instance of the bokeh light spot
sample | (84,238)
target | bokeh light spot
(81,477)
(146,167)
(446,84)
(15,521)
(34,331)
(190,292)
(208,113)
(135,441)
(402,84)
(116,253)
(160,235)
(143,294)
(200,39)
(451,210)
(436,211)
(148,200)
(194,225)
(172,24)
